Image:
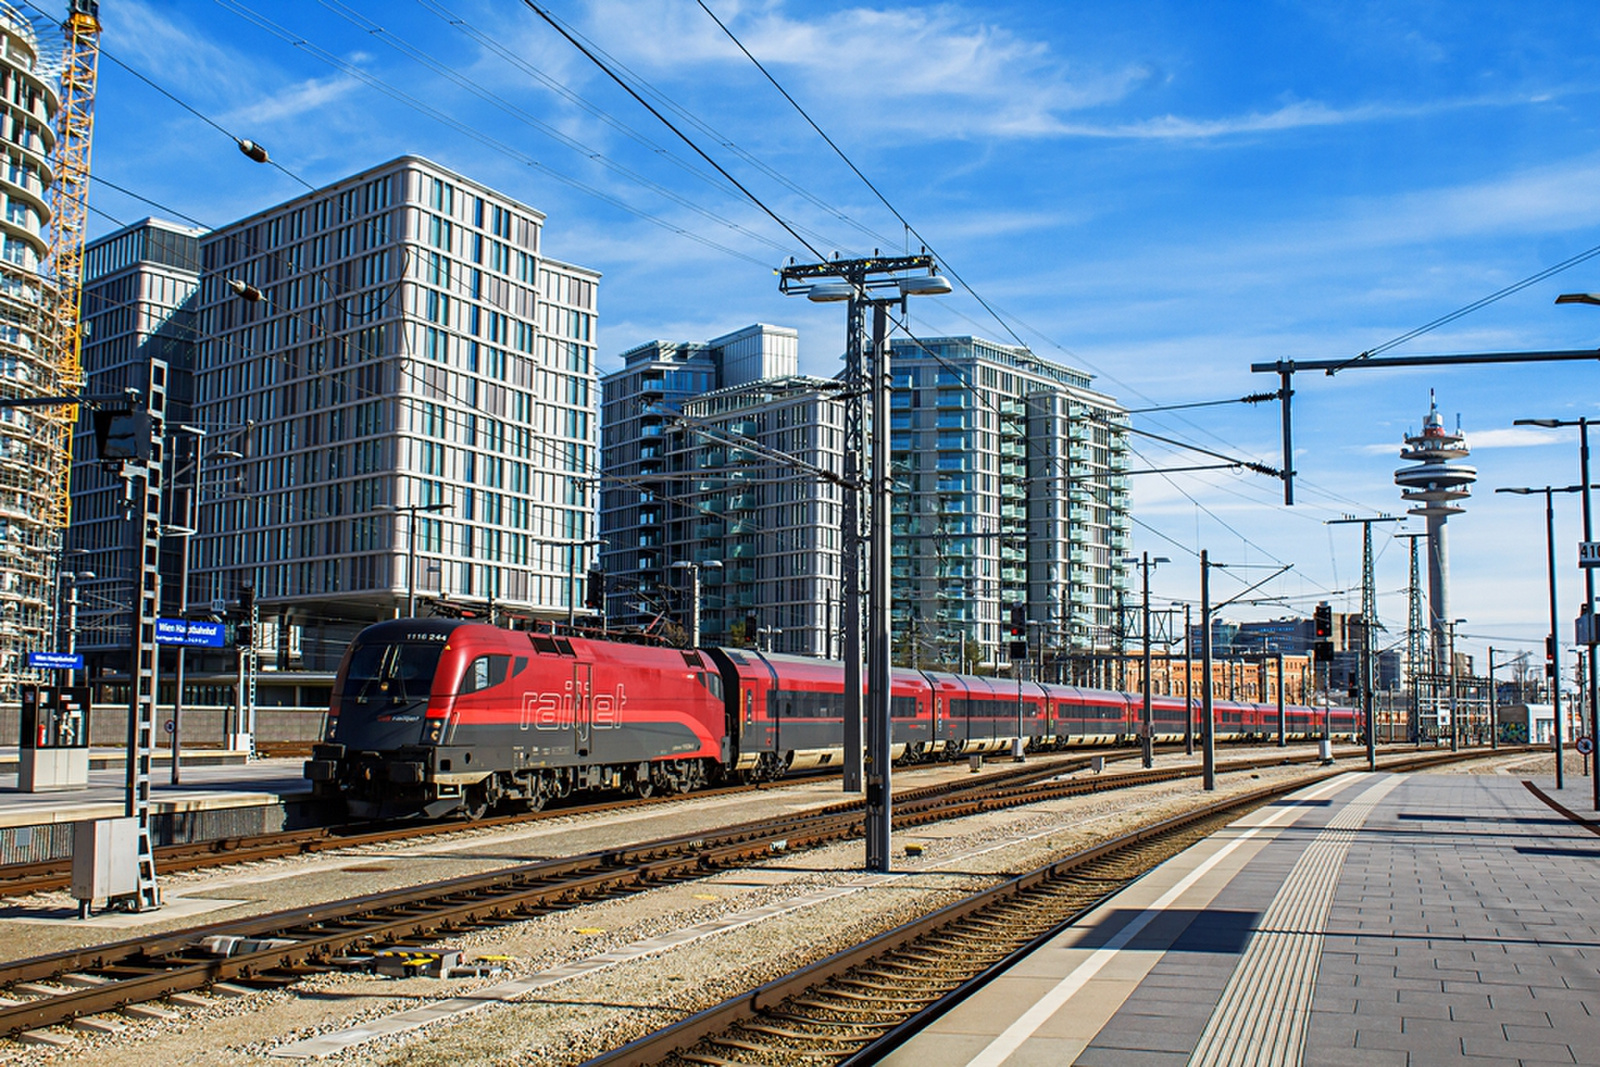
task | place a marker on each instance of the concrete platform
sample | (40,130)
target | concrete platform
(115,758)
(210,780)
(222,795)
(1375,919)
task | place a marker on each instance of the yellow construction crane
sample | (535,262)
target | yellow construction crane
(69,201)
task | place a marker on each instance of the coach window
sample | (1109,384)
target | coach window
(483,672)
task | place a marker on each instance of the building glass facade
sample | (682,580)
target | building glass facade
(651,489)
(138,305)
(414,397)
(1010,490)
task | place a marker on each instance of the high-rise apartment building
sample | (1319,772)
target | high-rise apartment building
(764,511)
(408,382)
(1010,491)
(654,489)
(138,304)
(33,458)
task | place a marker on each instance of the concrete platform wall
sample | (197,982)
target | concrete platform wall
(202,725)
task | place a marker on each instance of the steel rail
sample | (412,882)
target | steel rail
(40,876)
(153,966)
(146,968)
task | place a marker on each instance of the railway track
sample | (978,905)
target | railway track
(276,949)
(856,1006)
(23,879)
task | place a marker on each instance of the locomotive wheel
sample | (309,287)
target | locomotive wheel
(480,798)
(644,787)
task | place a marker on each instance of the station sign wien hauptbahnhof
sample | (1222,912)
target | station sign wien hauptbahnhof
(193,634)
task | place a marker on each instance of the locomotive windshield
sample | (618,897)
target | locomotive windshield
(385,695)
(391,673)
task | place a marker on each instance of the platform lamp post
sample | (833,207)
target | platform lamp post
(411,545)
(1592,679)
(1555,643)
(694,567)
(186,531)
(1188,681)
(1208,726)
(1144,562)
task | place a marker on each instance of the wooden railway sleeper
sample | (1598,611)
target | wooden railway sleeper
(893,970)
(879,996)
(918,994)
(965,942)
(843,1008)
(795,1035)
(789,1016)
(735,1043)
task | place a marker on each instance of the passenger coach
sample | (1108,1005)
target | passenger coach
(433,716)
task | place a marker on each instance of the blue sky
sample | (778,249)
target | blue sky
(1159,193)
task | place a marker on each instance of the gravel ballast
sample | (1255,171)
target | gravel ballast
(569,1021)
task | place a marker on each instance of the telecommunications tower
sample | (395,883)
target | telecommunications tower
(1434,484)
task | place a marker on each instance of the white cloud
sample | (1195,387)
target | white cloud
(928,70)
(293,101)
(1482,440)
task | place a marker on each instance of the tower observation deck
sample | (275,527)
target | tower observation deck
(1434,485)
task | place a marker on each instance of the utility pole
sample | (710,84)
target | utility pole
(1554,640)
(1208,750)
(1369,622)
(1283,721)
(1494,705)
(864,283)
(1146,721)
(1208,726)
(1188,683)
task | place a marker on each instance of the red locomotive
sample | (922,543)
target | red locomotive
(433,716)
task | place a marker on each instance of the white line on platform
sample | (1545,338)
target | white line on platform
(1015,1035)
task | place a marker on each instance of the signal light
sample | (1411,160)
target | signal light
(1324,620)
(594,589)
(1549,656)
(244,635)
(1019,620)
(122,434)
